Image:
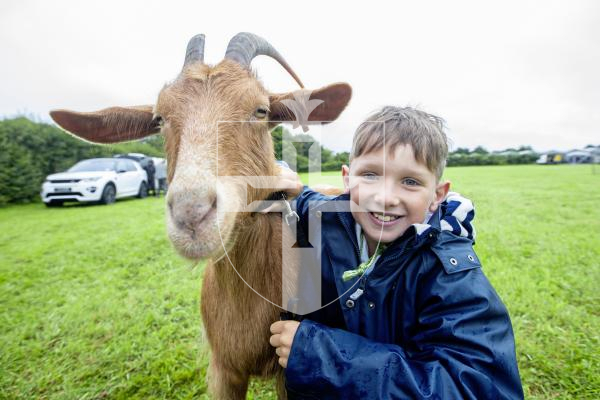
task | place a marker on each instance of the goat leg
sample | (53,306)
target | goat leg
(226,384)
(280,385)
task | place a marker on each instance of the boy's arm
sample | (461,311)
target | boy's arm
(463,347)
(303,197)
(306,199)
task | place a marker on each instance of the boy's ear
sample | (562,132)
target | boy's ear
(346,178)
(320,105)
(441,191)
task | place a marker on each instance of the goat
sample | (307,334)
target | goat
(188,112)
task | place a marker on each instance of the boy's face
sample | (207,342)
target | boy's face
(390,192)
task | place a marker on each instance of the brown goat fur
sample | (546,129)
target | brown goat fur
(208,120)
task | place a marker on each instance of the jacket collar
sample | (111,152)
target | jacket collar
(345,216)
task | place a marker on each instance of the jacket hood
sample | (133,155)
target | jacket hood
(454,215)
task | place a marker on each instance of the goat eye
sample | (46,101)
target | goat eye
(157,121)
(261,113)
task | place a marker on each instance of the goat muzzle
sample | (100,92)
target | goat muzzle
(190,213)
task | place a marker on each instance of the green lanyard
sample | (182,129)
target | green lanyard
(353,273)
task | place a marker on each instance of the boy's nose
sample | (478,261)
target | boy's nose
(391,201)
(388,197)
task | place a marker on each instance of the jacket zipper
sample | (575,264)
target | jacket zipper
(363,280)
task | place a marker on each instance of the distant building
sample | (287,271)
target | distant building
(595,152)
(551,157)
(578,157)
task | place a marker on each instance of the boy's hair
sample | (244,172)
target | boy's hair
(395,126)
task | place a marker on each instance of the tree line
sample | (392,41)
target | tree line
(302,143)
(29,151)
(480,156)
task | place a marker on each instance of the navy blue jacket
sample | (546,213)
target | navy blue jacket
(427,325)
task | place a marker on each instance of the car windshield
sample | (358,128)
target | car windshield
(93,165)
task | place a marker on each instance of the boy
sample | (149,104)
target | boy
(417,318)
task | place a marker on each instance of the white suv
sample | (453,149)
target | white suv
(96,179)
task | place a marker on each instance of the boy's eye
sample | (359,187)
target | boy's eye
(370,176)
(410,182)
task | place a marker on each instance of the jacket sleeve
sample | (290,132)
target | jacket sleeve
(306,199)
(462,348)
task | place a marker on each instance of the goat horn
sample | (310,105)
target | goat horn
(244,46)
(195,50)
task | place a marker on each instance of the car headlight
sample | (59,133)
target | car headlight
(92,179)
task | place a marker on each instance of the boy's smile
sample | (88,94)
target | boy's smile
(390,191)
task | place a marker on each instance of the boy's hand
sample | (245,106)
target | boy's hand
(282,339)
(287,181)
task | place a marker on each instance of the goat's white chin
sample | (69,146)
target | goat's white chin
(205,241)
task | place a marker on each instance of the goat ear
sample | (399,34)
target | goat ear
(111,125)
(321,105)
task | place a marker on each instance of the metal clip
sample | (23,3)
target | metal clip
(290,213)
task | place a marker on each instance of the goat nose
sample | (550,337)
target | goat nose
(188,211)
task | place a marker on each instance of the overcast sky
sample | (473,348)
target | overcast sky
(502,74)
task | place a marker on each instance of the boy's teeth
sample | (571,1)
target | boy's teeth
(381,217)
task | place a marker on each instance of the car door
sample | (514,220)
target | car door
(132,177)
(122,184)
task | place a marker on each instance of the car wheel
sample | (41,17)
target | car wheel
(54,204)
(143,192)
(108,194)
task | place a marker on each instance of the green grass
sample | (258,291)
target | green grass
(95,304)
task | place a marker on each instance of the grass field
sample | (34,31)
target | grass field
(95,304)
